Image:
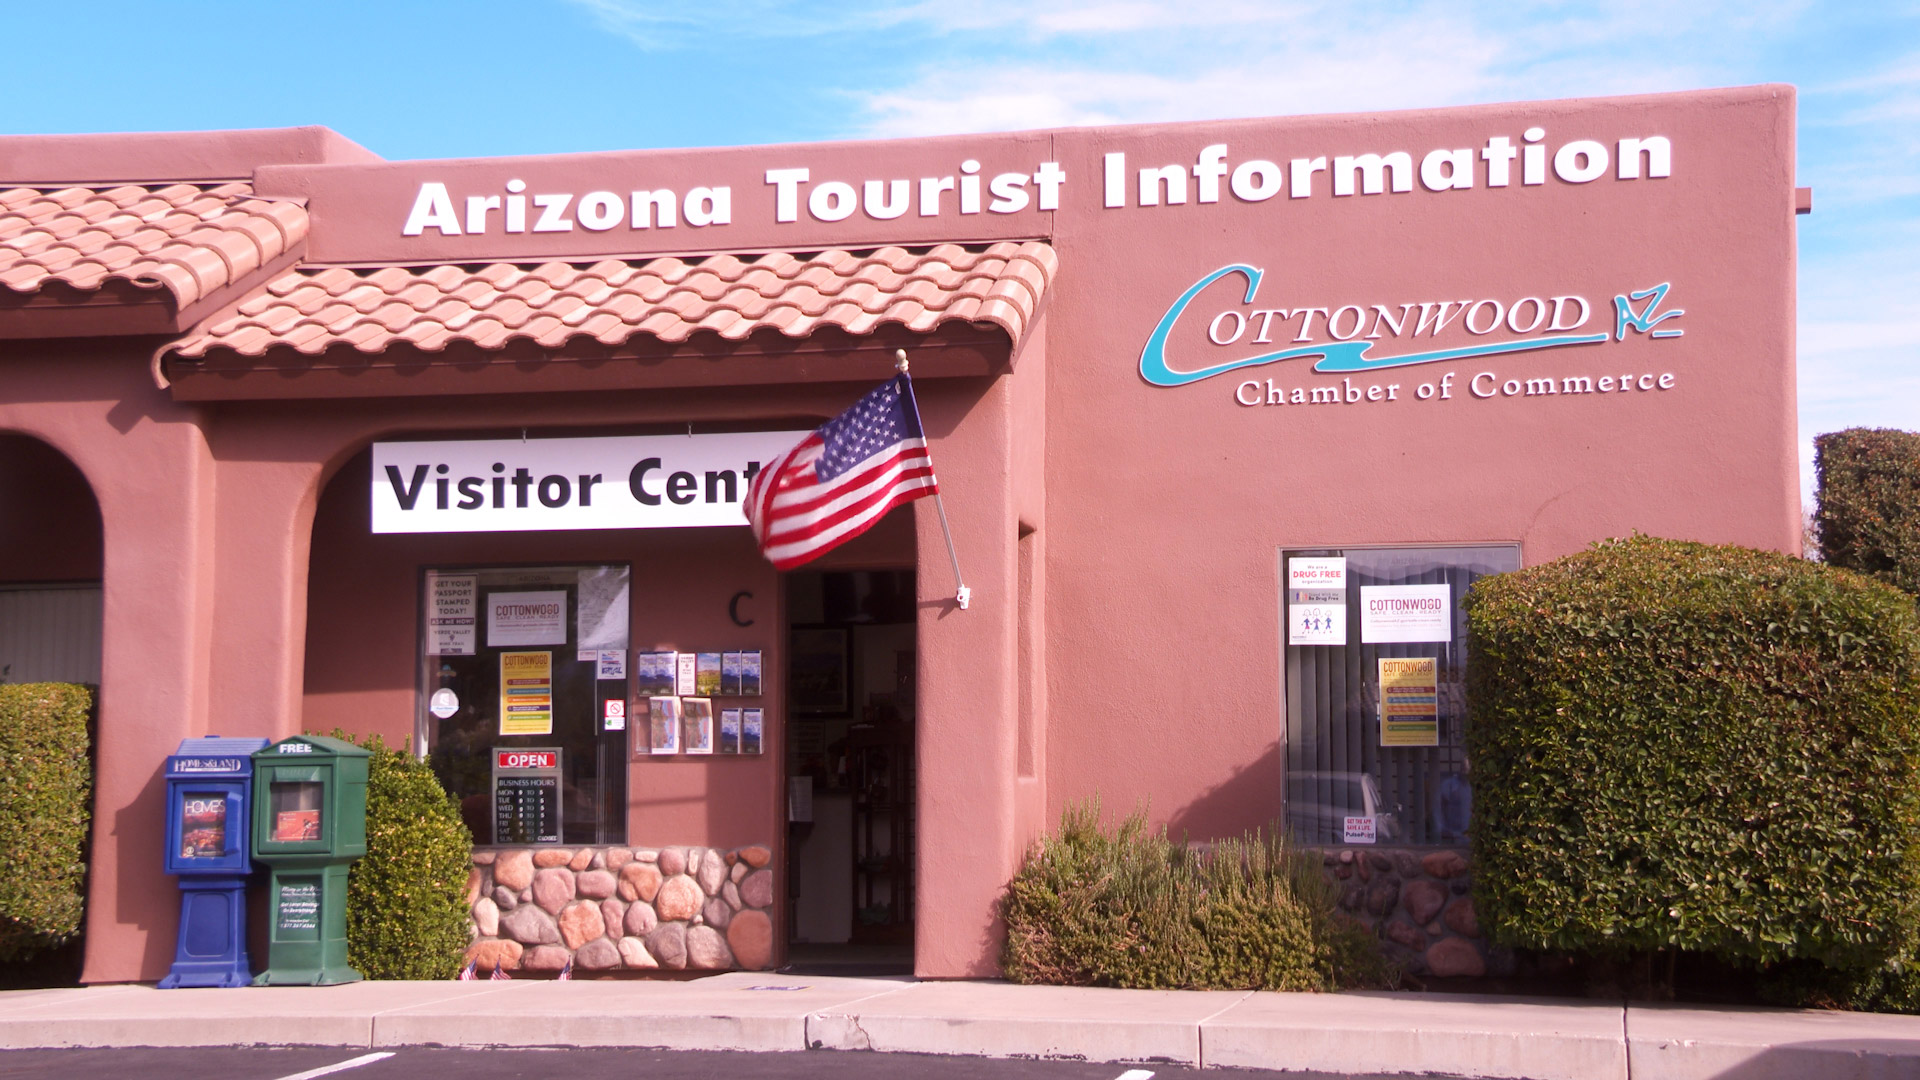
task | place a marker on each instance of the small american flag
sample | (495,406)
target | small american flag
(466,973)
(499,973)
(566,972)
(843,478)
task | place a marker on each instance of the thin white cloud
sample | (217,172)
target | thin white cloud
(1151,60)
(655,26)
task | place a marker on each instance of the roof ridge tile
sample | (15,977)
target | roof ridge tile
(613,301)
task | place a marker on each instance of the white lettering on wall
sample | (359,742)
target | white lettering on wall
(1197,181)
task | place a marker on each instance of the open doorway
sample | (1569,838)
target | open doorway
(851,771)
(51,562)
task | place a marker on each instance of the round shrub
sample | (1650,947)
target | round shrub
(46,788)
(1868,516)
(407,897)
(1683,746)
(1127,907)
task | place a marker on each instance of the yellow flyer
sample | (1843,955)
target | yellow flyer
(526,693)
(1409,701)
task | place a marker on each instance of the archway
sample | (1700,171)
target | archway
(50,607)
(50,566)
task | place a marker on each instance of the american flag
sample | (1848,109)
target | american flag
(842,478)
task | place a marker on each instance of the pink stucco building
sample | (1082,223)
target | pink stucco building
(1224,415)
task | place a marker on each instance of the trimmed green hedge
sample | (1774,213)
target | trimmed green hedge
(407,897)
(1680,746)
(1868,516)
(1127,907)
(46,797)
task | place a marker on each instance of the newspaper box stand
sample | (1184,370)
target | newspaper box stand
(309,824)
(208,788)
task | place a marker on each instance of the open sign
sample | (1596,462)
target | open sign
(528,759)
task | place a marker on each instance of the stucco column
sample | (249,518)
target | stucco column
(146,460)
(264,535)
(969,845)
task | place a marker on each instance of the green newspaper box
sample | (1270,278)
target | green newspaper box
(309,824)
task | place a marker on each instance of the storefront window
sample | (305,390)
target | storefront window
(518,667)
(1376,656)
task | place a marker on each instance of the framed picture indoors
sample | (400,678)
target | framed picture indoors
(817,671)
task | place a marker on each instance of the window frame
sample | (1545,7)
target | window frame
(1409,780)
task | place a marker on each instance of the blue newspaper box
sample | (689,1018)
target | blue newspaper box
(208,787)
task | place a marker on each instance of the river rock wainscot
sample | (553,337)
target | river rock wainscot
(621,908)
(1420,902)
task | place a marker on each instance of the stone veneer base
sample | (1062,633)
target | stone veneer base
(621,908)
(1419,902)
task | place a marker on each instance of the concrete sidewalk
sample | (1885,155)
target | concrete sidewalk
(1363,1033)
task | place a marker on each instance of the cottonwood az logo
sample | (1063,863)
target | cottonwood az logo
(1524,325)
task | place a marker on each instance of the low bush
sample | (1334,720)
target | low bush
(1128,907)
(46,793)
(1678,746)
(407,897)
(1868,515)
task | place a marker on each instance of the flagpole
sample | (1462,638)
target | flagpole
(962,595)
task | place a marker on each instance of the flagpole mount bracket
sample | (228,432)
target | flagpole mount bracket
(900,362)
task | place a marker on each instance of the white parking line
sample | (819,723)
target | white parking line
(354,1063)
(1130,1074)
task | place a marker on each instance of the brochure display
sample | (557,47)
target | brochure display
(707,674)
(663,724)
(309,824)
(675,691)
(208,784)
(653,674)
(697,723)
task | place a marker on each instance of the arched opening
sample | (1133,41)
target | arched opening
(378,659)
(50,608)
(50,566)
(372,668)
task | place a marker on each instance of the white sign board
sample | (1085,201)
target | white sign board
(1317,573)
(1394,613)
(1360,830)
(1317,601)
(1317,624)
(612,663)
(614,482)
(452,600)
(527,618)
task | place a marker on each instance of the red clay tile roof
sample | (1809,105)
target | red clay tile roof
(613,301)
(188,239)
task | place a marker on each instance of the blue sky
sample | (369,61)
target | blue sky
(483,78)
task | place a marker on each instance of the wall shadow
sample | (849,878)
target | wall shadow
(1252,798)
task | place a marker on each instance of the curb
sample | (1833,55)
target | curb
(1351,1033)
